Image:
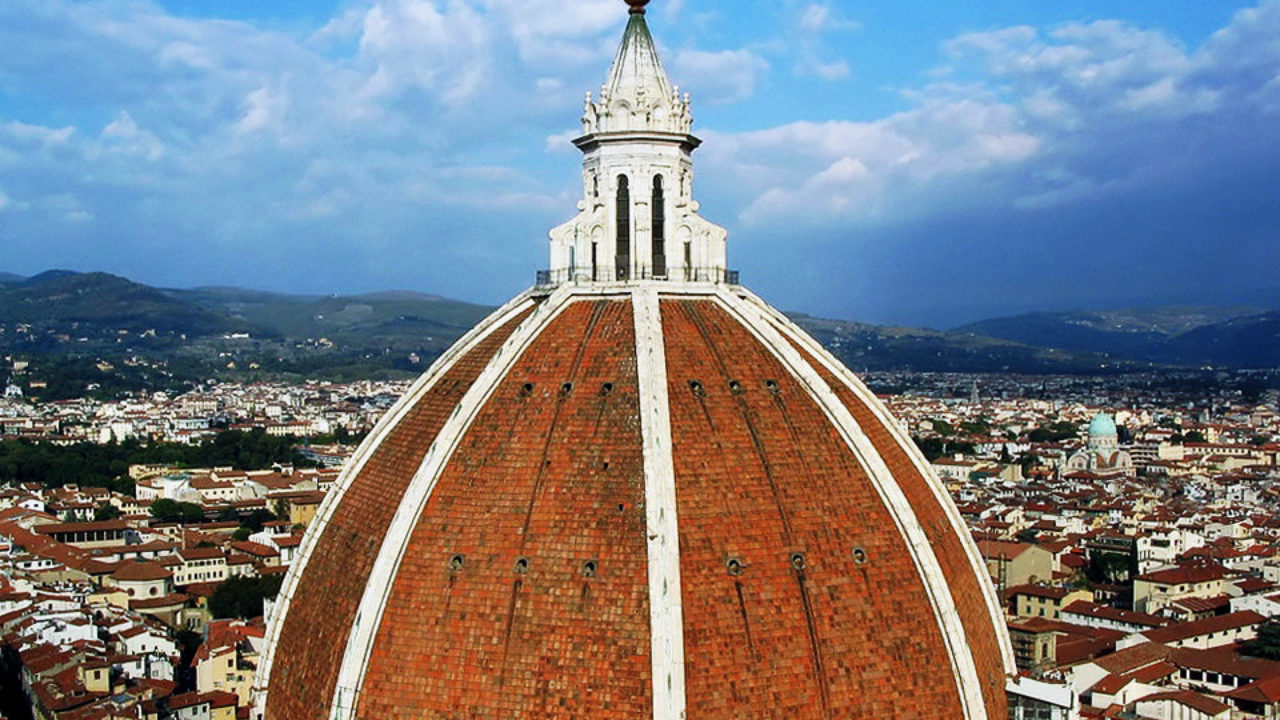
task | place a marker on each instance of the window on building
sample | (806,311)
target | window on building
(623,259)
(659,229)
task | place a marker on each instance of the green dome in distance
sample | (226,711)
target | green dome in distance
(1102,425)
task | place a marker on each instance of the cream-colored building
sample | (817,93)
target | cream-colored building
(1154,591)
(218,669)
(200,565)
(1015,563)
(1044,601)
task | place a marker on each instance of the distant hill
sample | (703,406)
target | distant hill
(1186,335)
(878,347)
(84,313)
(89,302)
(10,278)
(375,319)
(1251,341)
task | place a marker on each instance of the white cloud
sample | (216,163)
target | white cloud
(263,108)
(834,70)
(816,20)
(562,141)
(45,136)
(819,17)
(720,77)
(861,170)
(123,134)
(415,44)
(1039,130)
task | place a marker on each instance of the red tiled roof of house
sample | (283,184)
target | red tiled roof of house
(1104,612)
(140,571)
(1225,659)
(1185,574)
(1002,548)
(1264,690)
(1193,700)
(1206,626)
(254,549)
(1203,604)
(160,602)
(201,553)
(52,528)
(1133,658)
(1042,591)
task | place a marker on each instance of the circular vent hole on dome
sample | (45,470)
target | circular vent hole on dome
(566,388)
(696,388)
(771,386)
(526,390)
(522,565)
(589,568)
(797,561)
(860,556)
(735,566)
(735,387)
(456,562)
(606,388)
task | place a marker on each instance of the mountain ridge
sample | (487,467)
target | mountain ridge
(1233,336)
(98,307)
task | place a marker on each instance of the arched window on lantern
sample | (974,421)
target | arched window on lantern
(659,229)
(623,258)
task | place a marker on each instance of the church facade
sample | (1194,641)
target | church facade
(1101,454)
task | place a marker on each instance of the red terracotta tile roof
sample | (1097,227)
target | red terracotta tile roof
(1186,574)
(135,571)
(1209,625)
(1193,700)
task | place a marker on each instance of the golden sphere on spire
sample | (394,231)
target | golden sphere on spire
(637,6)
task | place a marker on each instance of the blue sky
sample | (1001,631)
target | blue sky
(916,162)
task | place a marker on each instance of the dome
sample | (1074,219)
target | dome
(1102,426)
(636,491)
(607,490)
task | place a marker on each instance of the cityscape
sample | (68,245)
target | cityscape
(1133,554)
(1036,478)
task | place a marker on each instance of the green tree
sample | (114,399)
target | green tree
(1107,567)
(1053,433)
(106,511)
(166,510)
(944,428)
(1267,643)
(932,447)
(242,596)
(257,518)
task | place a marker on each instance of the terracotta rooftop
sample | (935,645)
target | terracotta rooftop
(1193,700)
(1209,625)
(1185,574)
(135,571)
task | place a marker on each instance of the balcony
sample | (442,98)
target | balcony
(555,278)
